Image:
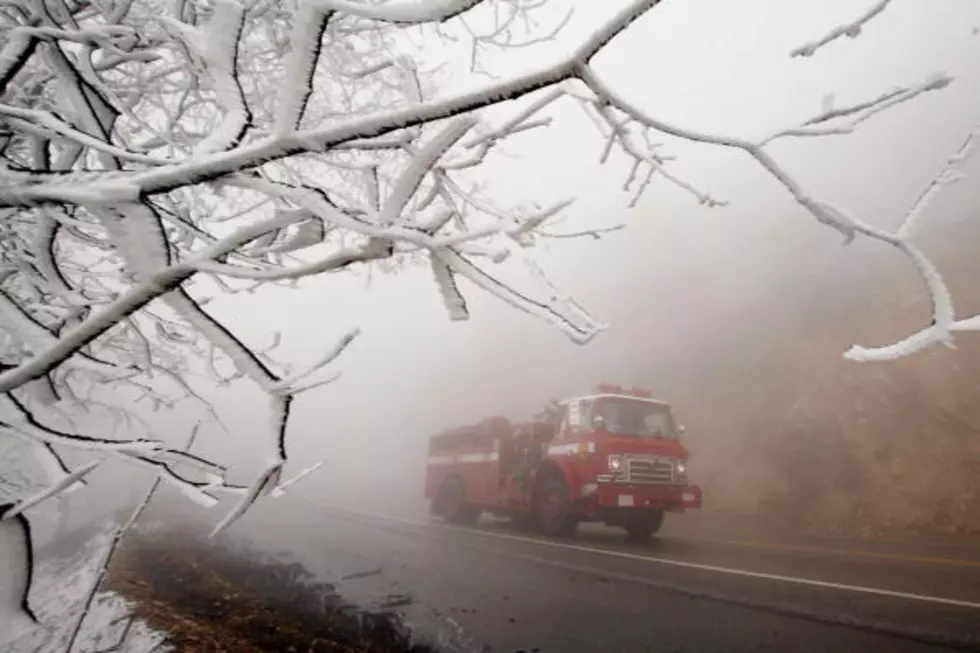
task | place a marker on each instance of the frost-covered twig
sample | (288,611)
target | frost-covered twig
(33,333)
(263,484)
(110,551)
(950,174)
(220,52)
(515,121)
(578,325)
(328,263)
(312,385)
(49,125)
(532,223)
(400,11)
(617,130)
(197,492)
(944,323)
(857,114)
(595,234)
(309,24)
(452,298)
(851,30)
(206,168)
(54,465)
(821,210)
(286,385)
(280,489)
(25,422)
(149,455)
(50,491)
(939,332)
(420,166)
(131,301)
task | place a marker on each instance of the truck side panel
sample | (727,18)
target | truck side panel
(437,468)
(479,470)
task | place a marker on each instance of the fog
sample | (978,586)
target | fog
(700,301)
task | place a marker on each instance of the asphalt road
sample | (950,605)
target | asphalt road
(693,588)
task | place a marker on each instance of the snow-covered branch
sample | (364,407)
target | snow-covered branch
(150,159)
(23,420)
(420,166)
(131,301)
(595,234)
(263,484)
(823,211)
(208,168)
(309,24)
(851,30)
(288,384)
(950,174)
(219,51)
(280,489)
(120,532)
(401,11)
(50,491)
(831,121)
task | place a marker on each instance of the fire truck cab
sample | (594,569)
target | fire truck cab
(613,456)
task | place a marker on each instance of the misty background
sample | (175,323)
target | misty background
(737,315)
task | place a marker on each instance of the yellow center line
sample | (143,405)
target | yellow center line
(844,552)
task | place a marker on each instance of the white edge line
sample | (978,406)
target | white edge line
(860,589)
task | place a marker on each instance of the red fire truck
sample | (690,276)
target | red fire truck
(613,456)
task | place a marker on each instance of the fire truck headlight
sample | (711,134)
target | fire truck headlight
(615,463)
(681,468)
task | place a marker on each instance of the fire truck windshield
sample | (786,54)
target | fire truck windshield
(624,416)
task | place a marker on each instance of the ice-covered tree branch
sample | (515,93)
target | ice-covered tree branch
(191,95)
(50,491)
(851,30)
(951,173)
(119,533)
(152,158)
(401,11)
(285,385)
(844,120)
(943,320)
(208,168)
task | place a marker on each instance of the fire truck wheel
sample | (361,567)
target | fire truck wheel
(642,525)
(553,509)
(452,503)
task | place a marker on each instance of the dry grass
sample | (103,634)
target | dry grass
(211,598)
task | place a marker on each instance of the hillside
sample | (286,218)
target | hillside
(787,431)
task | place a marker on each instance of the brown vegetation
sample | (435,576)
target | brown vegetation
(211,598)
(801,438)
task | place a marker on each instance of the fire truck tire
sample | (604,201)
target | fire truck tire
(452,503)
(553,509)
(641,525)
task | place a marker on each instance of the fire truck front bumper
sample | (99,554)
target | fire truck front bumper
(607,497)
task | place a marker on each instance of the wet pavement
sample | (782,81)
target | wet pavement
(694,588)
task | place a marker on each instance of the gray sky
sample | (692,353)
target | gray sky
(708,64)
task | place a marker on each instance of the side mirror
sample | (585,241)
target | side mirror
(599,423)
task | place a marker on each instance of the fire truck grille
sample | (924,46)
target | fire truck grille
(650,470)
